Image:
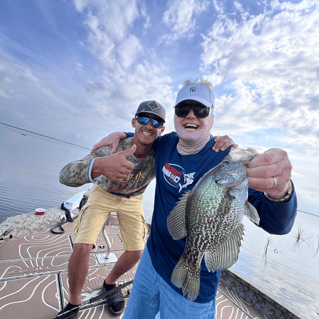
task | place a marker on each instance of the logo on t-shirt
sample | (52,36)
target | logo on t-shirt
(173,175)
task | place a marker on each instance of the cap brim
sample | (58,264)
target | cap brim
(150,112)
(197,99)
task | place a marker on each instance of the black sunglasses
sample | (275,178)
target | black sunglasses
(182,110)
(144,120)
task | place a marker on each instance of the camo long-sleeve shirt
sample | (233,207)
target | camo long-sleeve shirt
(77,173)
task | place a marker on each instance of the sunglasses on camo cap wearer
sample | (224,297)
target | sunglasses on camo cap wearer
(145,119)
(200,111)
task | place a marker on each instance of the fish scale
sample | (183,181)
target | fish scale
(205,236)
(210,216)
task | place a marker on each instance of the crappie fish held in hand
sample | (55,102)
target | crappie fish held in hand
(210,215)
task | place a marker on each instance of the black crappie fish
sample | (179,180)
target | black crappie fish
(210,215)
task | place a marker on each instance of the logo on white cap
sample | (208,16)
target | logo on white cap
(199,93)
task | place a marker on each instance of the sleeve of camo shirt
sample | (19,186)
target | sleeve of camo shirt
(76,173)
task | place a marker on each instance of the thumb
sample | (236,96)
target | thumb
(253,151)
(129,152)
(95,147)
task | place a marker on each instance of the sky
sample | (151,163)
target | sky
(77,70)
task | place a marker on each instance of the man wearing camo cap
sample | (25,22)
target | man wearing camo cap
(117,190)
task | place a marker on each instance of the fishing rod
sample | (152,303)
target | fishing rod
(5,232)
(107,295)
(236,304)
(42,135)
(65,218)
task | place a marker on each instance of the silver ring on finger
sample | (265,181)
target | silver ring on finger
(275,182)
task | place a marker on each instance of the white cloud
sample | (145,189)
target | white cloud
(79,67)
(180,18)
(35,96)
(272,61)
(238,6)
(128,75)
(26,75)
(143,10)
(128,51)
(126,92)
(108,25)
(113,17)
(219,8)
(4,95)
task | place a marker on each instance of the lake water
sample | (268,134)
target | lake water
(29,172)
(288,272)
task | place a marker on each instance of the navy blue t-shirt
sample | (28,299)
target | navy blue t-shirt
(177,174)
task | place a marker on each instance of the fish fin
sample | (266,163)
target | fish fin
(251,212)
(176,220)
(186,277)
(227,253)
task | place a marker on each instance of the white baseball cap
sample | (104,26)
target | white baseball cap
(196,92)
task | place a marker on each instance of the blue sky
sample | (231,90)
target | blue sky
(77,70)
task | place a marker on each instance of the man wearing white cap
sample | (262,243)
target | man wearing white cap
(182,158)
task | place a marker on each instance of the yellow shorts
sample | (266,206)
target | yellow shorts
(96,211)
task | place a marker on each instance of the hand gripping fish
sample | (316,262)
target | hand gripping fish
(211,215)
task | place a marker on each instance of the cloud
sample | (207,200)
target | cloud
(271,61)
(238,6)
(128,75)
(180,18)
(35,96)
(128,51)
(143,10)
(119,97)
(108,25)
(114,18)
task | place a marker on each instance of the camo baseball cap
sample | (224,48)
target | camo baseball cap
(152,107)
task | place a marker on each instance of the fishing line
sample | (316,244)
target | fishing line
(298,210)
(42,135)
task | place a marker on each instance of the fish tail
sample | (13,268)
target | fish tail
(186,277)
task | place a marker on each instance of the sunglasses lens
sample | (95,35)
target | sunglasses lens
(144,120)
(155,123)
(183,110)
(201,112)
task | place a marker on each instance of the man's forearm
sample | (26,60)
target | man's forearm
(98,169)
(76,173)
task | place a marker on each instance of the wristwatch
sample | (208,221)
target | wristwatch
(284,199)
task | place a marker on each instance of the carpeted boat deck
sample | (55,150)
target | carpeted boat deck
(34,278)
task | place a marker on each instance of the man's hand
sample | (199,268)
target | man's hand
(222,142)
(114,167)
(270,172)
(111,140)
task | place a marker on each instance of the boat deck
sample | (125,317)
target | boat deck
(34,278)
